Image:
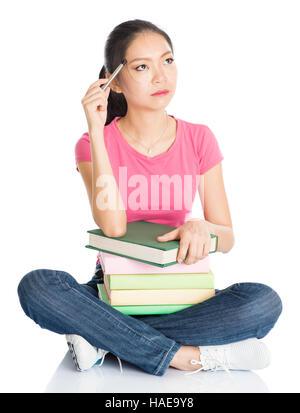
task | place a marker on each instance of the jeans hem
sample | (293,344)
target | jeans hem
(164,364)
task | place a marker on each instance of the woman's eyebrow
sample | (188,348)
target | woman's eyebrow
(147,58)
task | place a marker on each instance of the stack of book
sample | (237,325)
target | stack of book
(142,275)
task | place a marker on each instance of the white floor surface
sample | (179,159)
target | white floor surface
(107,377)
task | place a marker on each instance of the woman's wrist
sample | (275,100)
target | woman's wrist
(96,133)
(225,236)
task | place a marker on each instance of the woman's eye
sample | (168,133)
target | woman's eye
(169,58)
(139,66)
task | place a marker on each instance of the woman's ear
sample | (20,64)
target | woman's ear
(114,85)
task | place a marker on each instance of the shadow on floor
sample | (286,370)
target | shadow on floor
(108,379)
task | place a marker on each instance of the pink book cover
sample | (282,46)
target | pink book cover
(114,264)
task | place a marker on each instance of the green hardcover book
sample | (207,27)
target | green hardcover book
(159,281)
(142,309)
(139,243)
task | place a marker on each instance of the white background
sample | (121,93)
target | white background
(238,65)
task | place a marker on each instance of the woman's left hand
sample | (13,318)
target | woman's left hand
(194,238)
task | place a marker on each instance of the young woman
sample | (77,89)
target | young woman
(131,140)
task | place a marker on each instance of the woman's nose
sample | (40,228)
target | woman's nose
(160,75)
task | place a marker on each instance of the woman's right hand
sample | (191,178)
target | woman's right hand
(94,103)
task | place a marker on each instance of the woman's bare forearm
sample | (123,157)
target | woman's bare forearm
(108,207)
(225,236)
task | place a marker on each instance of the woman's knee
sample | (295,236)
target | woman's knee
(37,284)
(32,282)
(262,303)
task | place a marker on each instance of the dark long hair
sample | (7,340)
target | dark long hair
(116,46)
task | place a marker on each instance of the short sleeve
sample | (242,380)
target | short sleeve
(209,153)
(83,150)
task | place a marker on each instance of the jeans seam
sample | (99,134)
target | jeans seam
(232,339)
(121,322)
(62,283)
(166,355)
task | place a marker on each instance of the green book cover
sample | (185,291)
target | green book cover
(142,309)
(133,258)
(145,233)
(160,281)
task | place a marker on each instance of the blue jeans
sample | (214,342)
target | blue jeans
(55,301)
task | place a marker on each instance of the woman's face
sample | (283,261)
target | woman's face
(154,70)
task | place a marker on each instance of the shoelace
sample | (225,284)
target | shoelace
(212,359)
(103,357)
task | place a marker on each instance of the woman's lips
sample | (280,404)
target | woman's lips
(165,92)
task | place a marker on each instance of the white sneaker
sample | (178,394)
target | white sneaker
(250,354)
(83,353)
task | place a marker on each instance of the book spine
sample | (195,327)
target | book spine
(115,264)
(159,281)
(159,297)
(142,309)
(150,309)
(132,258)
(102,262)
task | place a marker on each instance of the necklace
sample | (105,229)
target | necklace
(149,149)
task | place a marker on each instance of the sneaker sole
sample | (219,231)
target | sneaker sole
(73,354)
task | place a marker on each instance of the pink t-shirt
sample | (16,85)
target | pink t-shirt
(161,188)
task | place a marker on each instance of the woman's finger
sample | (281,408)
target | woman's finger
(206,248)
(93,94)
(93,99)
(94,90)
(183,248)
(194,252)
(95,104)
(98,83)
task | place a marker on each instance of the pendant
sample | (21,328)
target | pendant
(149,151)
